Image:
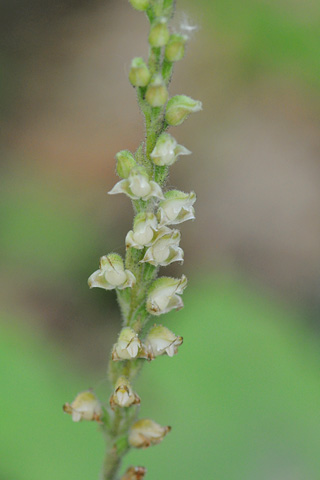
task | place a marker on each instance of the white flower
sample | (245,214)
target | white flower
(164,294)
(166,150)
(176,208)
(160,340)
(164,249)
(85,406)
(137,186)
(111,274)
(127,346)
(146,432)
(123,395)
(144,228)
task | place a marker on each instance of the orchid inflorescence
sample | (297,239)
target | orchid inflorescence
(153,242)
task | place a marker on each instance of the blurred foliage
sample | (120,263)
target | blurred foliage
(262,37)
(242,395)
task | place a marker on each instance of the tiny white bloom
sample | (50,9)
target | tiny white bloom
(146,432)
(138,185)
(111,274)
(85,406)
(144,228)
(164,294)
(166,150)
(123,395)
(127,346)
(176,208)
(160,340)
(164,249)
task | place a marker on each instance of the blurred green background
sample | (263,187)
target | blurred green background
(243,395)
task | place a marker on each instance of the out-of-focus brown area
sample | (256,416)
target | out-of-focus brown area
(68,108)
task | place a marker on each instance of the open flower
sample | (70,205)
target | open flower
(111,274)
(167,150)
(176,208)
(85,406)
(144,229)
(138,185)
(146,432)
(123,395)
(128,345)
(164,294)
(160,340)
(179,108)
(165,249)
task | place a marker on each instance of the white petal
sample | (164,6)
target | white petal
(76,416)
(97,279)
(155,191)
(181,150)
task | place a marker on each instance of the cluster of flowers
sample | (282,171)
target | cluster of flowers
(151,234)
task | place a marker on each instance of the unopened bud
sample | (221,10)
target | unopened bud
(157,93)
(85,406)
(160,340)
(111,274)
(175,48)
(123,395)
(125,163)
(139,74)
(159,34)
(128,345)
(179,108)
(163,295)
(140,5)
(134,473)
(146,432)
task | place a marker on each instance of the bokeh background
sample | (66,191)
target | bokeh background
(243,395)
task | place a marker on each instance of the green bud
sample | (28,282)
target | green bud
(125,163)
(159,34)
(179,108)
(157,93)
(139,74)
(175,48)
(140,5)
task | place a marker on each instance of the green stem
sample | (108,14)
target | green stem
(132,301)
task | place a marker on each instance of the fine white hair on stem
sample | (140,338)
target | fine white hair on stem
(186,25)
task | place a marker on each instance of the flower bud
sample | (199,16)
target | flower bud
(140,5)
(85,406)
(179,108)
(157,93)
(144,228)
(160,340)
(159,34)
(123,395)
(138,185)
(111,274)
(176,208)
(125,163)
(166,150)
(134,473)
(164,249)
(139,74)
(127,346)
(175,48)
(163,295)
(146,432)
